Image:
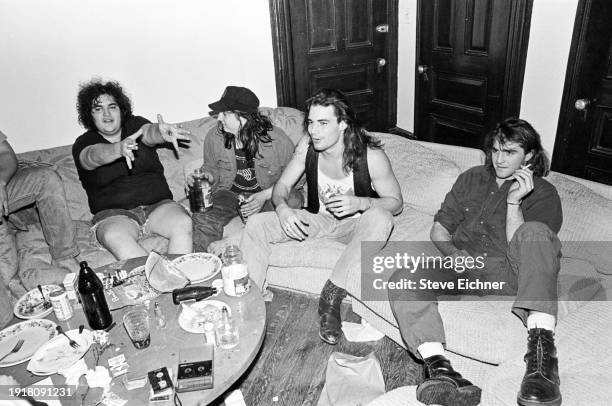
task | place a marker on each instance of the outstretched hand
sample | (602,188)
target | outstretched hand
(128,145)
(171,132)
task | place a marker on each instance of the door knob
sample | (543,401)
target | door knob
(422,69)
(582,104)
(380,62)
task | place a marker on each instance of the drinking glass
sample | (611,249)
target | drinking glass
(136,322)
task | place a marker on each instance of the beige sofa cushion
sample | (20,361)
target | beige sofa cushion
(425,176)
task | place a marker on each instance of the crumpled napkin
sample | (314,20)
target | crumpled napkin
(162,275)
(360,332)
(98,378)
(74,372)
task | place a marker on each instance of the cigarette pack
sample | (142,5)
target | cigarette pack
(70,285)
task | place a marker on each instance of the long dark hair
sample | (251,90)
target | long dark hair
(89,92)
(356,139)
(254,131)
(521,132)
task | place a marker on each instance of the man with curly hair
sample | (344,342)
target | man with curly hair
(244,155)
(352,197)
(121,172)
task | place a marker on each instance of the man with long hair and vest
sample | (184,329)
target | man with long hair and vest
(353,195)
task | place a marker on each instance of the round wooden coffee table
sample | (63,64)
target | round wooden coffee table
(248,312)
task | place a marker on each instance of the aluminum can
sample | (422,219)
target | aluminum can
(61,304)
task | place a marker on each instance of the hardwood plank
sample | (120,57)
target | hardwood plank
(292,363)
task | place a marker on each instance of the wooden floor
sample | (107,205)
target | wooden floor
(290,368)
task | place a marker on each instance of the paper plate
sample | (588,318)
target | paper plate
(34,332)
(198,266)
(194,315)
(30,305)
(57,353)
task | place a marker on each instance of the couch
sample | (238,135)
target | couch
(485,341)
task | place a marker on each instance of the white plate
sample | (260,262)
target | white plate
(30,305)
(34,332)
(57,353)
(194,315)
(198,266)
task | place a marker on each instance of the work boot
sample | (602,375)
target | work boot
(445,386)
(330,322)
(540,384)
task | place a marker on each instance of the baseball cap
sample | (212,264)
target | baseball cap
(236,98)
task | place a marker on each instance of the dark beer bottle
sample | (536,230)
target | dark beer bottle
(94,303)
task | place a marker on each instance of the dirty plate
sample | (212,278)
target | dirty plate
(194,315)
(198,266)
(34,332)
(31,305)
(57,354)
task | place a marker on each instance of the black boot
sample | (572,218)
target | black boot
(445,386)
(540,384)
(330,322)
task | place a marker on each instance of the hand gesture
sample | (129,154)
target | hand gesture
(253,204)
(128,145)
(4,210)
(292,223)
(171,132)
(343,205)
(522,186)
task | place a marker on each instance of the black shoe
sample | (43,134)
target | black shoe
(444,386)
(540,384)
(330,322)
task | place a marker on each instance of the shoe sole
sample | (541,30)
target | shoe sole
(447,394)
(525,402)
(327,341)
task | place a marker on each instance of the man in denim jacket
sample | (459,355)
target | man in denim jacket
(245,155)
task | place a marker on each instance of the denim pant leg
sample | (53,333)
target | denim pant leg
(534,254)
(373,225)
(44,187)
(263,230)
(208,226)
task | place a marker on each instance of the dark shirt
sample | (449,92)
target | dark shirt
(114,186)
(246,179)
(474,211)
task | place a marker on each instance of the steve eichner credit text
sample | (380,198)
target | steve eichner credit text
(411,263)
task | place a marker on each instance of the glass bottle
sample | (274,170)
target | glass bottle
(200,199)
(227,333)
(93,299)
(234,272)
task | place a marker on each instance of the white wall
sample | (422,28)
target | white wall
(173,57)
(552,24)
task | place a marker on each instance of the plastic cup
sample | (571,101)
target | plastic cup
(136,323)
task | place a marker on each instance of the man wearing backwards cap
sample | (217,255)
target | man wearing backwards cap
(245,154)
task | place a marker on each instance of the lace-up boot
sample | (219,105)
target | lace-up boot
(540,384)
(445,386)
(330,322)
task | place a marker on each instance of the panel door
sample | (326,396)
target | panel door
(583,146)
(336,44)
(462,69)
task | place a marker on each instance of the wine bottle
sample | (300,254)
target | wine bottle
(94,303)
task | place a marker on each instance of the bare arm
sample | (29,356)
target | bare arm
(292,173)
(385,183)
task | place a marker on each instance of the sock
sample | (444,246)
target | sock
(541,320)
(430,349)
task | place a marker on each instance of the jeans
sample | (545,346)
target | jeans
(529,270)
(43,187)
(208,226)
(264,229)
